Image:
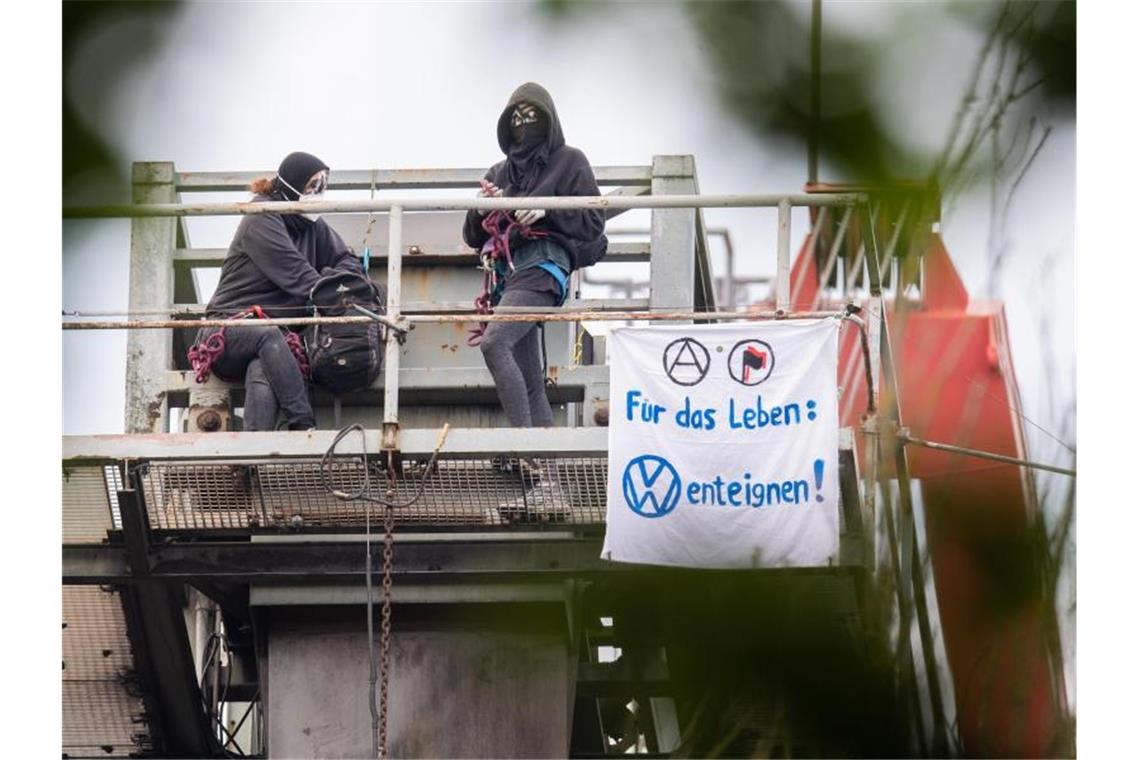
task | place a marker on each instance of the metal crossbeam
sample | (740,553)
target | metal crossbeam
(391,179)
(445,559)
(557,203)
(459,379)
(282,445)
(422,254)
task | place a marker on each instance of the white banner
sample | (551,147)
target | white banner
(723,445)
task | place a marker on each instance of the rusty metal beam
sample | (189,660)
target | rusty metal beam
(604,202)
(530,314)
(314,443)
(391,179)
(419,379)
(637,251)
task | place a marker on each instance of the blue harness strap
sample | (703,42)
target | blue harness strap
(560,277)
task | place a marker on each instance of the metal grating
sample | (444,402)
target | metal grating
(103,713)
(476,492)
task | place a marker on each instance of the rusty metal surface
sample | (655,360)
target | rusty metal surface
(417,253)
(103,714)
(185,496)
(604,202)
(606,313)
(386,179)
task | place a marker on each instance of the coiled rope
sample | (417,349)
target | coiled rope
(500,225)
(203,355)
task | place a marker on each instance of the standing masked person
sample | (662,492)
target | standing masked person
(531,252)
(270,268)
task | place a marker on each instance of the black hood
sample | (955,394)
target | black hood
(296,169)
(536,94)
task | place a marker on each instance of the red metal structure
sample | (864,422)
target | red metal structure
(956,385)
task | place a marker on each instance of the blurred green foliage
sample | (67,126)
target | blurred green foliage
(87,158)
(760,56)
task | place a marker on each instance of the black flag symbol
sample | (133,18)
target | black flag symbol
(753,358)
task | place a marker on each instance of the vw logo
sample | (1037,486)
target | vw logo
(651,486)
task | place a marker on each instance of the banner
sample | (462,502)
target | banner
(723,445)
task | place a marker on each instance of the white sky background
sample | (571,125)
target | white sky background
(239,85)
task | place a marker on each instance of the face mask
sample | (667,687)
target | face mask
(316,187)
(312,216)
(528,125)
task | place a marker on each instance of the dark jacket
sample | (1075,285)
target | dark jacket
(274,265)
(566,172)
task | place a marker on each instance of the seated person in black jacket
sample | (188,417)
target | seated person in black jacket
(272,263)
(544,245)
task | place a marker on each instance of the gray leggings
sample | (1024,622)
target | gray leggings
(260,356)
(511,350)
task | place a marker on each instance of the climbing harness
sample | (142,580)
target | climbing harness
(499,225)
(203,355)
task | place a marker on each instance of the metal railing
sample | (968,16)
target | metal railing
(396,207)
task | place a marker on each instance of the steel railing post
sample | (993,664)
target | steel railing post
(150,354)
(672,266)
(391,427)
(784,256)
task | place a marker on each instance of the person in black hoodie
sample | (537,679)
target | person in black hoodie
(272,263)
(545,246)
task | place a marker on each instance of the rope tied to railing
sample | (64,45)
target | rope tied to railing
(203,355)
(500,225)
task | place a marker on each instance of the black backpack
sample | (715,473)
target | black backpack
(345,358)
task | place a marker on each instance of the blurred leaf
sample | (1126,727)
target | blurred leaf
(759,54)
(86,154)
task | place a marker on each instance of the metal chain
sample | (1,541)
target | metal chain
(386,607)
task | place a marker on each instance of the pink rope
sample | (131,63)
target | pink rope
(203,355)
(499,224)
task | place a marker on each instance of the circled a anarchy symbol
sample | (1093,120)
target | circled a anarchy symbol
(686,361)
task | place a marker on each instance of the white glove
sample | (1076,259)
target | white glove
(529,216)
(488,190)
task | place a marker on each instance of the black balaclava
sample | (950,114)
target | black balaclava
(296,169)
(527,157)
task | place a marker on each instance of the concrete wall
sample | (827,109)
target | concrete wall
(467,681)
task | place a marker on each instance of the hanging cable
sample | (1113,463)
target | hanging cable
(981,386)
(379,726)
(986,455)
